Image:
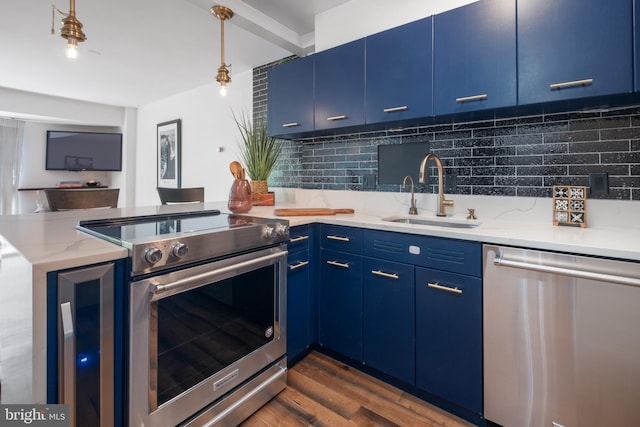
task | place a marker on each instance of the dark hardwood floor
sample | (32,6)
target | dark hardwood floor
(324,392)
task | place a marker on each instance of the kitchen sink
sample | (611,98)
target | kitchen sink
(438,222)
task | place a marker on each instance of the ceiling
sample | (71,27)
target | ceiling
(140,51)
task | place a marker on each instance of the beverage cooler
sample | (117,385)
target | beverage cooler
(81,345)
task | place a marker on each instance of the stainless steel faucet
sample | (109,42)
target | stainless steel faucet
(442,202)
(412,210)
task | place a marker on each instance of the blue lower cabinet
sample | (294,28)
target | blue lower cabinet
(299,306)
(449,337)
(406,306)
(340,303)
(388,318)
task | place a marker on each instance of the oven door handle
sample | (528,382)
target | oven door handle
(196,280)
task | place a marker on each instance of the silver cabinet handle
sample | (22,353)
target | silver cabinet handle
(298,265)
(383,274)
(472,98)
(338,264)
(341,239)
(392,109)
(570,84)
(455,290)
(68,362)
(290,125)
(298,239)
(332,118)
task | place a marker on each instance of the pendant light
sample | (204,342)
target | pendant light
(222,13)
(71,29)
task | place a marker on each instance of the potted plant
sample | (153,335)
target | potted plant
(259,152)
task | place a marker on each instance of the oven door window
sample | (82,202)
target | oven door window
(203,330)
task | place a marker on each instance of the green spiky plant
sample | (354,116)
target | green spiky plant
(259,151)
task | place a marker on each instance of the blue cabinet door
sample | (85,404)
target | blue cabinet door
(341,238)
(339,86)
(571,49)
(299,308)
(398,73)
(388,325)
(340,303)
(290,97)
(449,336)
(475,57)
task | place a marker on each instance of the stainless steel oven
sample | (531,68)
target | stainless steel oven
(207,314)
(198,333)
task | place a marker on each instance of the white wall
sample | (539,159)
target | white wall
(207,123)
(360,18)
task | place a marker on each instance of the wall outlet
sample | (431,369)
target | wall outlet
(450,182)
(369,181)
(598,183)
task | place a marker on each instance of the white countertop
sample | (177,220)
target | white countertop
(49,241)
(588,241)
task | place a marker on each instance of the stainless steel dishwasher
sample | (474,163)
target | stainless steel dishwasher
(561,339)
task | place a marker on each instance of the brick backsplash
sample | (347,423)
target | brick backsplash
(516,156)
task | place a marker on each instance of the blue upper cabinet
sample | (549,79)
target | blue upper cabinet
(399,73)
(339,86)
(291,97)
(474,57)
(571,49)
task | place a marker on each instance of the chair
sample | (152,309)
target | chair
(180,195)
(81,198)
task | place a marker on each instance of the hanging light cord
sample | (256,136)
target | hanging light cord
(54,9)
(222,40)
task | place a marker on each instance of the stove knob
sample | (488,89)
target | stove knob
(282,229)
(268,232)
(179,250)
(152,255)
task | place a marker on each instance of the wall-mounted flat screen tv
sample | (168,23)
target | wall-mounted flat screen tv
(83,151)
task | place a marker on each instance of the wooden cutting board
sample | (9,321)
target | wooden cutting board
(310,211)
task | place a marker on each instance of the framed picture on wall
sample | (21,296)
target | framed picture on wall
(169,155)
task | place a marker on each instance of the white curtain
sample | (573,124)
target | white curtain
(11,132)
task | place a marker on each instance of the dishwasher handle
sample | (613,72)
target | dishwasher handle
(572,272)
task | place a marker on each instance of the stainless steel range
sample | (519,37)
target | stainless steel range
(207,315)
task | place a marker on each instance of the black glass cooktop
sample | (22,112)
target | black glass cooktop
(131,229)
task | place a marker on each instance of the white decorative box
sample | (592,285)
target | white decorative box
(569,205)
